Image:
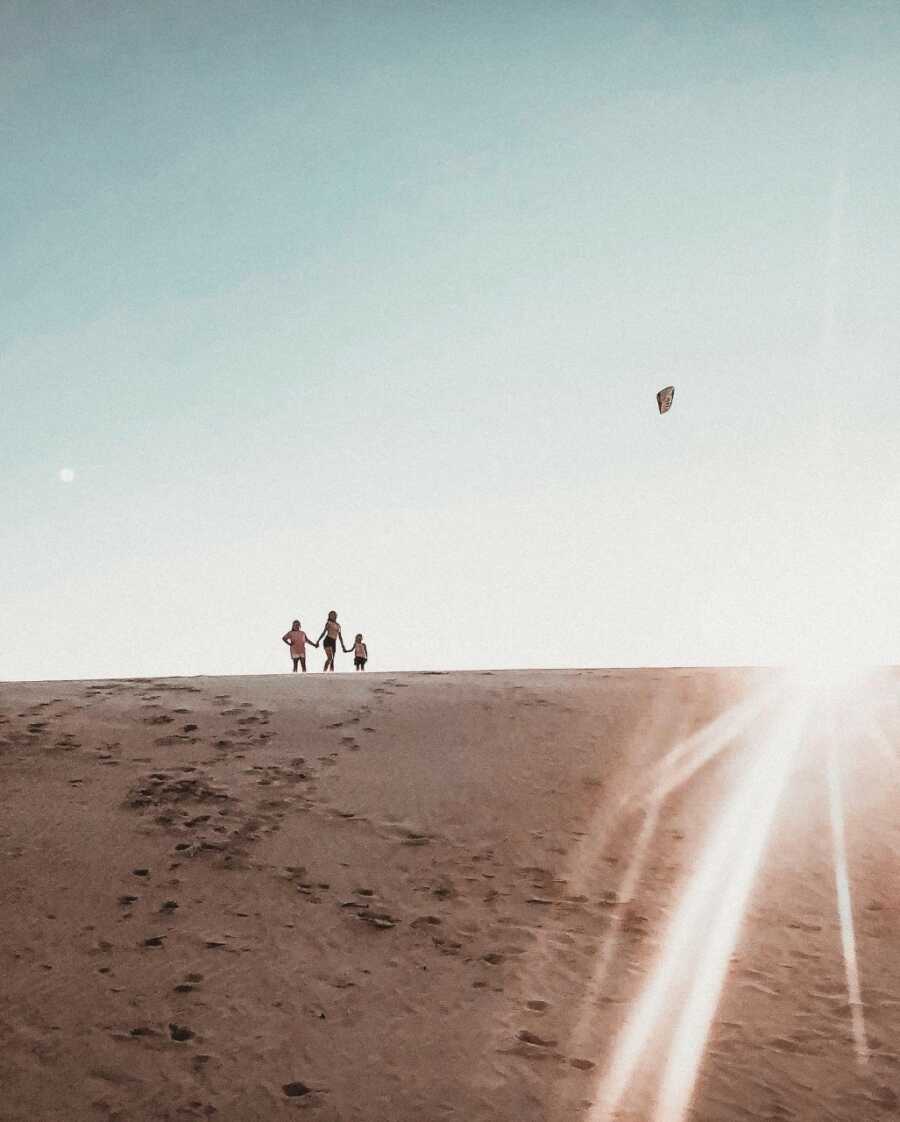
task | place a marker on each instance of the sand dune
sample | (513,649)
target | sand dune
(415,897)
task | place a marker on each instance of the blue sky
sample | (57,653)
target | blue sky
(364,306)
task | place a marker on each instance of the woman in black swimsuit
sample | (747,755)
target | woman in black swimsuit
(332,635)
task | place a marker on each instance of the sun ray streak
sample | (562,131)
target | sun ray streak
(752,802)
(627,888)
(845,906)
(708,741)
(715,748)
(878,737)
(762,792)
(604,821)
(703,746)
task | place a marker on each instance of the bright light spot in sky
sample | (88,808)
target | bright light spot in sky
(66,475)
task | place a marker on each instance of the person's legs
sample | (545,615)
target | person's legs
(302,664)
(295,661)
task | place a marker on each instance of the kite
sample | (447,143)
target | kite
(664,399)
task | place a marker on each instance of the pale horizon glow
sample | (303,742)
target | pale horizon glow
(336,308)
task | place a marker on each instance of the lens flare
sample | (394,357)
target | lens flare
(845,905)
(808,719)
(703,932)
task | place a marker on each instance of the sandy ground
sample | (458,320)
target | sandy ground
(420,897)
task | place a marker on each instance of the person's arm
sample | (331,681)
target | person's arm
(341,637)
(365,650)
(286,638)
(319,640)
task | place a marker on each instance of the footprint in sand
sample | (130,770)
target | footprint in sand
(380,920)
(445,889)
(296,1089)
(528,1037)
(426,921)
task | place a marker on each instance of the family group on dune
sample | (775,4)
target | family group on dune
(331,635)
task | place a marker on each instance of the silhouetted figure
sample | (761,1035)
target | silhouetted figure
(332,636)
(360,653)
(297,639)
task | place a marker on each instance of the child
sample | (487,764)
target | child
(297,640)
(360,653)
(332,634)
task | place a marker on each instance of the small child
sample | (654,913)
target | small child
(360,653)
(297,640)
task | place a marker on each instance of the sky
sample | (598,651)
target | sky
(364,306)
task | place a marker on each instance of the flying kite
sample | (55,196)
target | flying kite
(664,399)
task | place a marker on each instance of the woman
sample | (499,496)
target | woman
(332,635)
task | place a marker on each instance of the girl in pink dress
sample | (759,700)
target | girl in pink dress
(297,639)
